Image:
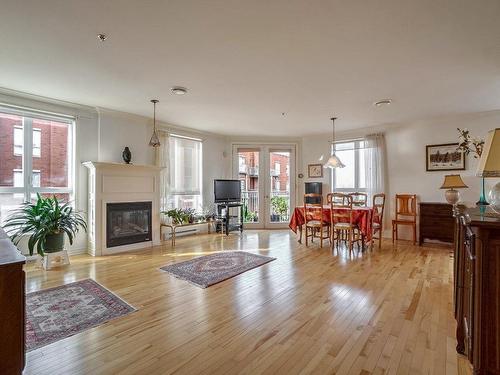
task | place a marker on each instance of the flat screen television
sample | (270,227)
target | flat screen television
(227,190)
(313,188)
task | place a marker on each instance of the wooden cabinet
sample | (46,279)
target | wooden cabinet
(12,297)
(477,289)
(436,222)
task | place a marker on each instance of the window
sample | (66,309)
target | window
(185,172)
(50,173)
(277,168)
(19,141)
(37,142)
(352,176)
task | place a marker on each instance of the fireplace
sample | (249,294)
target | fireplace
(128,223)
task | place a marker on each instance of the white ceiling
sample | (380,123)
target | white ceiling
(246,62)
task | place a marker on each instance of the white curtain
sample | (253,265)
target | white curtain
(375,164)
(162,160)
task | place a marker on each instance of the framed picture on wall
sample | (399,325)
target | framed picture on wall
(444,157)
(315,170)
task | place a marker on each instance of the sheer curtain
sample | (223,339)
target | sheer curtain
(162,160)
(375,162)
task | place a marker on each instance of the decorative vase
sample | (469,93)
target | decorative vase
(495,198)
(482,198)
(127,155)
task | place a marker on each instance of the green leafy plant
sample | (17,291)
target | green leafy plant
(279,205)
(181,215)
(45,221)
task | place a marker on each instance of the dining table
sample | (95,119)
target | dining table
(361,217)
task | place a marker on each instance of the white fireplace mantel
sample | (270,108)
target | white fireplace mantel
(116,183)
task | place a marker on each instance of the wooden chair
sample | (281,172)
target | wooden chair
(359,199)
(378,217)
(313,215)
(341,220)
(406,214)
(337,197)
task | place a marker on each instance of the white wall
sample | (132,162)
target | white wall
(102,134)
(406,157)
(119,129)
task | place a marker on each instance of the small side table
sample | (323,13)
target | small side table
(57,259)
(173,228)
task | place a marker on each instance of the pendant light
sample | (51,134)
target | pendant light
(154,141)
(333,161)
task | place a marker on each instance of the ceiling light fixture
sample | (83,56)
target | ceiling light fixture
(154,141)
(178,90)
(102,37)
(383,102)
(333,161)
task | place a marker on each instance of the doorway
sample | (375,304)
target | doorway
(267,176)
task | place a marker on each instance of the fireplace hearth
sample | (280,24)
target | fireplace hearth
(128,223)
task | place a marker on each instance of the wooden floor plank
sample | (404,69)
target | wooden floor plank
(309,312)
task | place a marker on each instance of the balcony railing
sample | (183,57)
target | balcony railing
(253,171)
(251,200)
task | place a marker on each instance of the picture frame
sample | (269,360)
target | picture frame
(444,157)
(315,170)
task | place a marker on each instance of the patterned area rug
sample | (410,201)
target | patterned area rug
(56,313)
(214,268)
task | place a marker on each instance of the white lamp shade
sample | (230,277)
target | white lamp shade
(333,162)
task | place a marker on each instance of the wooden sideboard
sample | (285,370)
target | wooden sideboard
(436,222)
(12,299)
(477,289)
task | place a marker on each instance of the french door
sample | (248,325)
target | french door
(267,176)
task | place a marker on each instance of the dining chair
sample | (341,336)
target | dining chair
(339,198)
(313,216)
(378,205)
(406,214)
(341,220)
(359,199)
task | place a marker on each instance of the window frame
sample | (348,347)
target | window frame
(27,155)
(174,194)
(358,145)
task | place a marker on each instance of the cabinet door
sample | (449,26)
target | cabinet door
(469,264)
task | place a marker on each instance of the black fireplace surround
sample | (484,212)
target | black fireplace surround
(128,223)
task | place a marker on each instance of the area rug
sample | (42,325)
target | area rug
(56,313)
(214,268)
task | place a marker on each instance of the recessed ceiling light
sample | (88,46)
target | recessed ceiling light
(102,37)
(178,90)
(383,102)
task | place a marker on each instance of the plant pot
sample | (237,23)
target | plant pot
(54,243)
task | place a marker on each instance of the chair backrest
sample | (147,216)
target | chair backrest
(313,211)
(336,197)
(378,208)
(341,208)
(406,206)
(359,199)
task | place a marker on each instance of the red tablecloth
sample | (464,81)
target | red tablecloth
(361,216)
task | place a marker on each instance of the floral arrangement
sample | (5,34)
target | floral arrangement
(469,144)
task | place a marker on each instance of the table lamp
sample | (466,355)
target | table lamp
(489,165)
(452,182)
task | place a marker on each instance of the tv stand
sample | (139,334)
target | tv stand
(226,223)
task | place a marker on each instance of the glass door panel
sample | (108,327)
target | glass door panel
(279,185)
(248,174)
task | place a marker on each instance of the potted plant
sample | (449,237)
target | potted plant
(280,208)
(175,214)
(45,222)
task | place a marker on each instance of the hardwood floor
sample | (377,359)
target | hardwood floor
(387,311)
